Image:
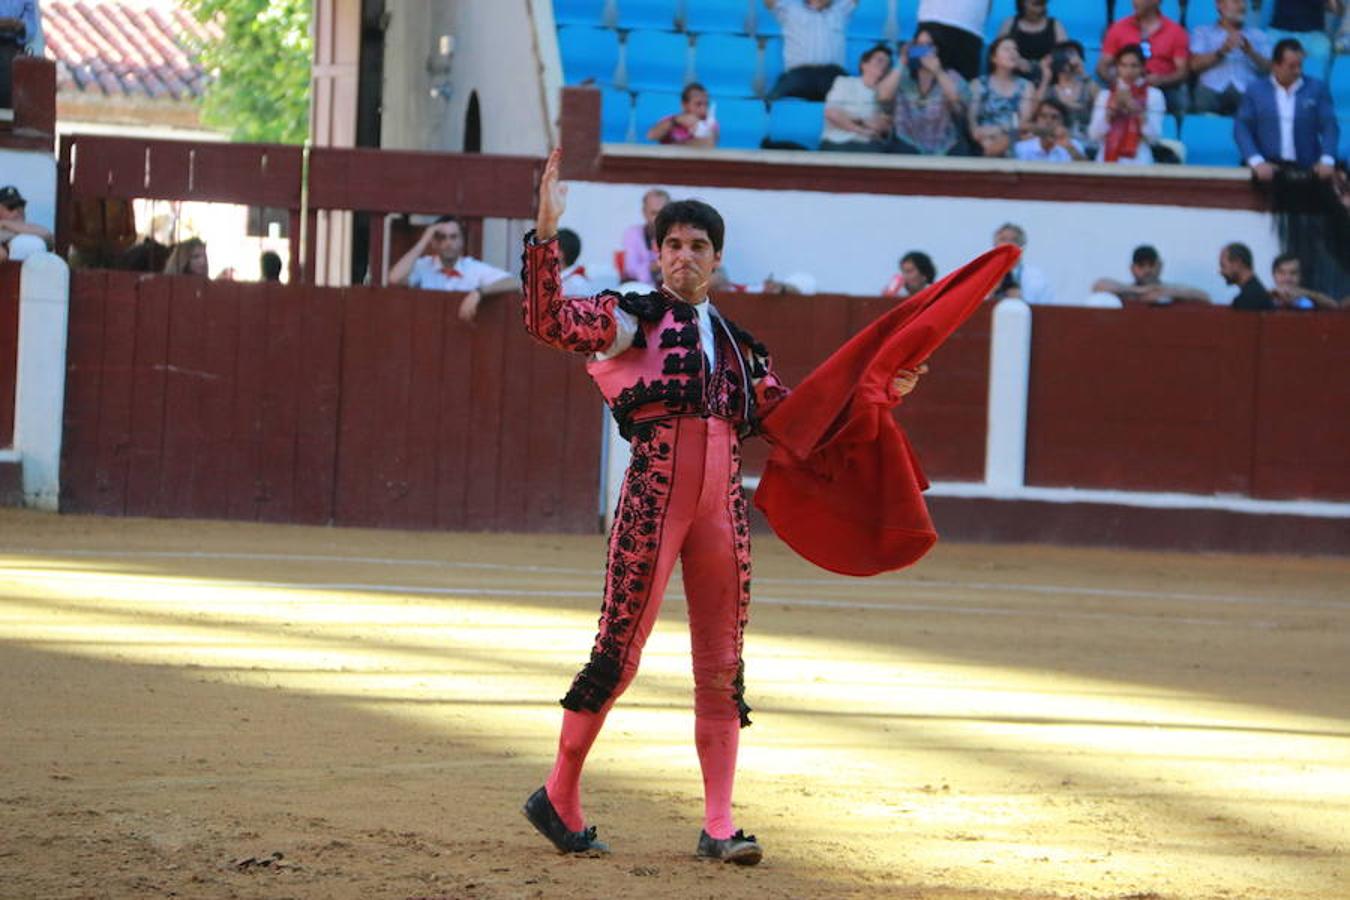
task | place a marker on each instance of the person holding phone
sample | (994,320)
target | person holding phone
(928,101)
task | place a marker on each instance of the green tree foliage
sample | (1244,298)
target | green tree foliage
(259,88)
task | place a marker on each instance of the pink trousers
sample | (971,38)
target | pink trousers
(681,499)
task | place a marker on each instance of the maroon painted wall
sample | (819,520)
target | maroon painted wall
(9,347)
(295,404)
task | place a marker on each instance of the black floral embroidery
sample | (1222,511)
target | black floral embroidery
(633,547)
(740,519)
(578,324)
(673,396)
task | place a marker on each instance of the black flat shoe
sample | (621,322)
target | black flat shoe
(539,810)
(740,848)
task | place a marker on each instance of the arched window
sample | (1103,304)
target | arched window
(473,126)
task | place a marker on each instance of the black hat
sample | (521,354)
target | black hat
(10,196)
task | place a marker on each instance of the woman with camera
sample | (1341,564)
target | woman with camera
(929,101)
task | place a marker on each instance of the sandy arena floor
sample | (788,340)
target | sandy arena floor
(210,710)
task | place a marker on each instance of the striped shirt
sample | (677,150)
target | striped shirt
(811,37)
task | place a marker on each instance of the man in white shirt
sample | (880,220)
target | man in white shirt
(437,263)
(854,120)
(957,27)
(1026,282)
(574,280)
(813,45)
(1050,141)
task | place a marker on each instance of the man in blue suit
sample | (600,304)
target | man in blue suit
(1287,119)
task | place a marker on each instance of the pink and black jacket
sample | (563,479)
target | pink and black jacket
(665,372)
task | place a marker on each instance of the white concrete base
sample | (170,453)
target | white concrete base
(40,392)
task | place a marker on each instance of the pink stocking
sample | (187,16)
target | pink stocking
(579,731)
(717,741)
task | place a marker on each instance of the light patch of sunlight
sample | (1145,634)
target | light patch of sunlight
(963,746)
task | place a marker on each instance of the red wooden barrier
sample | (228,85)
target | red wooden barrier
(295,404)
(9,347)
(1201,401)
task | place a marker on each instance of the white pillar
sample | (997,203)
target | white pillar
(614,458)
(40,392)
(1005,452)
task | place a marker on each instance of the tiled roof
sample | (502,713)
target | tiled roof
(125,48)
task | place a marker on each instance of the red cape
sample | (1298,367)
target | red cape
(842,486)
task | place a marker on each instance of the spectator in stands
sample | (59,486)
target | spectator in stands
(1302,15)
(188,258)
(639,253)
(437,263)
(1036,34)
(574,280)
(1343,33)
(1146,284)
(1287,119)
(1235,265)
(19,237)
(854,120)
(21,26)
(813,45)
(270,265)
(916,273)
(929,101)
(1050,140)
(1227,56)
(1163,44)
(1128,118)
(1289,291)
(1026,281)
(1064,78)
(1001,102)
(957,28)
(693,126)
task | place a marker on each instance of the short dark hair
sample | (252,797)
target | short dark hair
(873,50)
(1145,255)
(923,263)
(455,219)
(690,89)
(569,242)
(271,266)
(1284,46)
(1131,50)
(1059,56)
(1284,258)
(1239,253)
(695,213)
(1054,104)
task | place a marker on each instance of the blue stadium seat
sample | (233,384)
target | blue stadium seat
(1209,141)
(1339,84)
(659,14)
(722,16)
(741,124)
(656,61)
(771,63)
(580,12)
(1084,22)
(650,108)
(855,47)
(799,121)
(1204,12)
(1316,49)
(727,64)
(1001,9)
(588,54)
(1169,8)
(766,23)
(616,116)
(872,20)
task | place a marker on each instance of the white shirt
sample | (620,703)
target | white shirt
(1234,68)
(1030,150)
(857,100)
(467,274)
(968,15)
(626,327)
(575,283)
(1150,130)
(812,38)
(1035,286)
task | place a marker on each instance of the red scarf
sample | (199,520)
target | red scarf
(1126,128)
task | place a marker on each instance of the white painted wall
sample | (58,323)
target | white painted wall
(852,243)
(34,174)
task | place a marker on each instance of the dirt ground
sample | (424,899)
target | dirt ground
(211,710)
